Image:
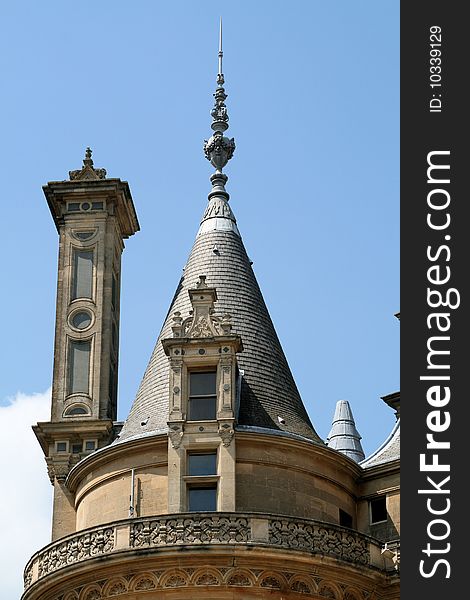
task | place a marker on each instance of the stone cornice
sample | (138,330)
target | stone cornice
(57,192)
(391,467)
(109,453)
(135,445)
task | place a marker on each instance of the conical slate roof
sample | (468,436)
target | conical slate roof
(269,397)
(343,435)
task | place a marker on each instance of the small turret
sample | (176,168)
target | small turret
(343,435)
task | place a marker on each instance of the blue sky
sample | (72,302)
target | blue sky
(314,108)
(313,101)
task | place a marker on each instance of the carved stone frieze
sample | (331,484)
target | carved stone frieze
(196,530)
(58,468)
(78,548)
(299,582)
(319,539)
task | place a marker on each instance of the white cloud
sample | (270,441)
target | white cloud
(25,490)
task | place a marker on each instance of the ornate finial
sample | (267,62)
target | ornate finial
(88,171)
(220,75)
(218,148)
(201,283)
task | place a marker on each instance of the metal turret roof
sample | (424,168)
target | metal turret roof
(343,435)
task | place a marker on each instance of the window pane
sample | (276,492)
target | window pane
(202,464)
(378,510)
(202,409)
(83,274)
(81,320)
(345,518)
(79,367)
(113,291)
(77,410)
(84,235)
(202,384)
(201,499)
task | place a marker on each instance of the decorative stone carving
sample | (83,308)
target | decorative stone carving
(239,579)
(271,582)
(117,588)
(327,592)
(207,579)
(87,171)
(210,528)
(226,432)
(175,581)
(94,594)
(145,583)
(177,324)
(76,549)
(319,539)
(300,586)
(202,322)
(58,468)
(189,577)
(196,530)
(201,328)
(175,434)
(28,577)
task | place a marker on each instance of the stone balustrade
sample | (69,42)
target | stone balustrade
(249,529)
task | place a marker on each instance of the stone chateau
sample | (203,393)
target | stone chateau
(217,485)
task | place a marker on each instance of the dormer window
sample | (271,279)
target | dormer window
(202,399)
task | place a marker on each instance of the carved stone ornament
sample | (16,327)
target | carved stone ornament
(87,171)
(175,434)
(58,469)
(192,529)
(80,547)
(188,577)
(202,322)
(201,328)
(226,433)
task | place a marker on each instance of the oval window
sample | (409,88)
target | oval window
(81,320)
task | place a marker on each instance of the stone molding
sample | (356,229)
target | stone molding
(193,529)
(284,582)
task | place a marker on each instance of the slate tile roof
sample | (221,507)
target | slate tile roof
(387,452)
(269,397)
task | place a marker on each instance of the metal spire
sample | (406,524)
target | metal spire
(218,148)
(221,54)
